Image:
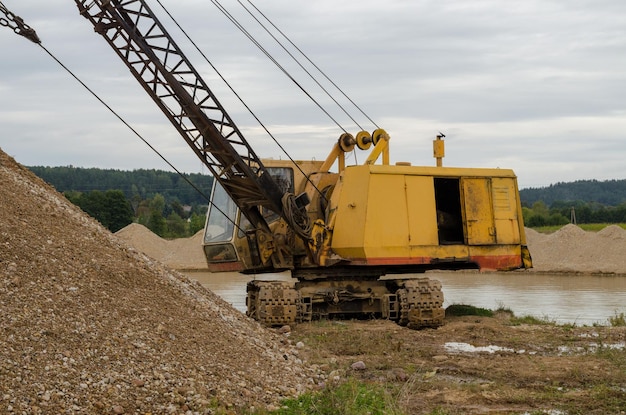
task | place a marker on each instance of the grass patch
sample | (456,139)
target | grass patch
(350,398)
(457,310)
(589,380)
(531,320)
(618,320)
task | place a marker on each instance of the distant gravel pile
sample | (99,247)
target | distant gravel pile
(88,325)
(571,249)
(180,254)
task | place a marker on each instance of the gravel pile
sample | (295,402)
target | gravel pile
(180,254)
(571,249)
(88,325)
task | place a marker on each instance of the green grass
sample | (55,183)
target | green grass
(457,310)
(531,320)
(351,398)
(618,320)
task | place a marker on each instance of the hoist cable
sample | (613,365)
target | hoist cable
(239,97)
(19,27)
(271,58)
(119,117)
(312,63)
(298,62)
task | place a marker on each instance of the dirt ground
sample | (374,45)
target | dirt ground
(92,322)
(478,365)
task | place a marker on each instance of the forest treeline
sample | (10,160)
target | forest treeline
(581,201)
(162,201)
(141,183)
(170,207)
(608,192)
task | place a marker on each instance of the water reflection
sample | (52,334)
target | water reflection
(579,299)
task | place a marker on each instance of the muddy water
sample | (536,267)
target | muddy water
(583,300)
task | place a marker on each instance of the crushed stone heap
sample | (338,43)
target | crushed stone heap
(571,249)
(88,325)
(180,253)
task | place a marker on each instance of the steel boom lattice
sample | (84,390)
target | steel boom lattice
(152,56)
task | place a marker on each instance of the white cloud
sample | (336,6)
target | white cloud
(536,86)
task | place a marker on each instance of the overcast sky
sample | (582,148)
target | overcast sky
(538,86)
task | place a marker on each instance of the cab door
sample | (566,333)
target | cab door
(478,209)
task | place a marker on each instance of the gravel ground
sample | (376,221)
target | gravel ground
(89,325)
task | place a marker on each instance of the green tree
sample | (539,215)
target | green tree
(176,226)
(196,222)
(157,223)
(119,210)
(110,208)
(158,203)
(178,209)
(556,219)
(540,209)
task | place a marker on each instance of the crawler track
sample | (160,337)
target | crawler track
(415,303)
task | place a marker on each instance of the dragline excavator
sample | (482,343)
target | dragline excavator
(344,235)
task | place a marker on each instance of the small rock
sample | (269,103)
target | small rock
(399,374)
(138,383)
(118,409)
(360,365)
(284,329)
(299,345)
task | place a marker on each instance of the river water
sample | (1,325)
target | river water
(564,298)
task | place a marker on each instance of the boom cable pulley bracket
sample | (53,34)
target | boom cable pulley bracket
(16,23)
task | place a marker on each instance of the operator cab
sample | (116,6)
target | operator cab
(225,225)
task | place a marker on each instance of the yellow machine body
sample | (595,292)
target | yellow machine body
(399,218)
(402,215)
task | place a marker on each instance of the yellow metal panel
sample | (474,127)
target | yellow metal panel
(505,210)
(387,219)
(478,211)
(420,196)
(349,205)
(387,215)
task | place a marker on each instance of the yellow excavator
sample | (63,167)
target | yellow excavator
(367,222)
(353,238)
